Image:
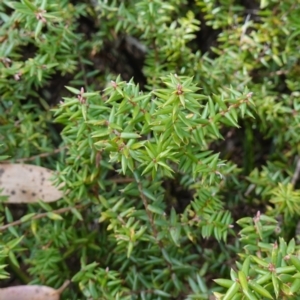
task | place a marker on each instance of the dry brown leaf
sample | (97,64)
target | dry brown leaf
(27,184)
(31,292)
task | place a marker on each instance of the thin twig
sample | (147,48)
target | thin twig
(152,223)
(21,160)
(83,72)
(63,287)
(121,180)
(296,173)
(149,214)
(40,216)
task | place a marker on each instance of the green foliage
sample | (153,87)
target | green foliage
(159,162)
(148,137)
(273,274)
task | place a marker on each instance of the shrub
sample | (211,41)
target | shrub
(173,127)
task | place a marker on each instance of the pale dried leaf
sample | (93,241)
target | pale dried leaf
(27,183)
(31,292)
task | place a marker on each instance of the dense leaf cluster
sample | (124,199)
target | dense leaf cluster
(173,127)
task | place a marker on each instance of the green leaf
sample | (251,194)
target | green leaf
(296,262)
(27,217)
(73,90)
(54,216)
(129,135)
(8,215)
(260,261)
(260,290)
(230,118)
(264,278)
(175,234)
(155,209)
(249,295)
(227,283)
(29,5)
(291,247)
(101,133)
(148,194)
(84,111)
(13,259)
(124,164)
(13,243)
(232,291)
(243,280)
(173,217)
(38,29)
(295,287)
(275,283)
(77,214)
(246,266)
(161,293)
(129,249)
